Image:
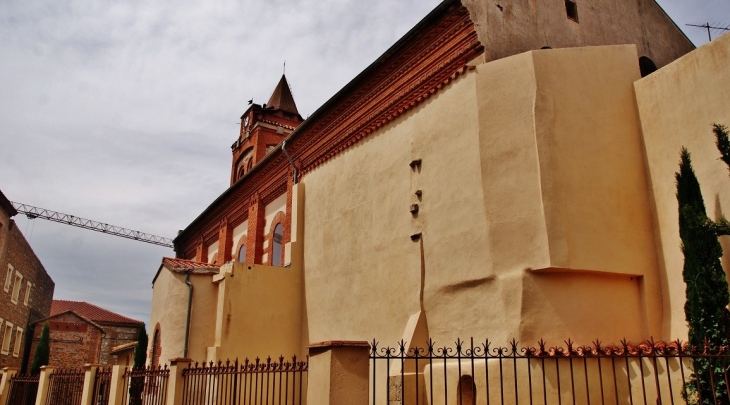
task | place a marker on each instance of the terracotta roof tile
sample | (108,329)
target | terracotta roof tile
(123,347)
(182,264)
(90,311)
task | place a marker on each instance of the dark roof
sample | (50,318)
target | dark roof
(6,205)
(281,98)
(90,311)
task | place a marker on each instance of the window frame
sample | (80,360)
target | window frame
(28,286)
(9,277)
(16,288)
(7,337)
(18,341)
(277,257)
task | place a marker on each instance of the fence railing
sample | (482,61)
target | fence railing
(23,389)
(262,383)
(65,387)
(102,386)
(145,386)
(468,373)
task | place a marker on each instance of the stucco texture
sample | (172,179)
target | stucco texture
(533,214)
(678,105)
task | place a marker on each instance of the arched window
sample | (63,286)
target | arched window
(242,253)
(467,392)
(646,66)
(276,248)
(156,348)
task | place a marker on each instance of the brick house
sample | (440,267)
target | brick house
(27,290)
(85,333)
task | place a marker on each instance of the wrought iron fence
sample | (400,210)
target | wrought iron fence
(65,387)
(469,373)
(23,389)
(102,386)
(263,383)
(145,386)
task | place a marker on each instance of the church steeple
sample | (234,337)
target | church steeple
(282,99)
(263,127)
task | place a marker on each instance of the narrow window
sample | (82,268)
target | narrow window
(156,349)
(18,341)
(27,293)
(6,338)
(467,392)
(16,288)
(646,66)
(571,8)
(242,254)
(276,250)
(8,278)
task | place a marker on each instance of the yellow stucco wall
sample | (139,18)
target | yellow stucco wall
(169,310)
(534,214)
(258,312)
(678,104)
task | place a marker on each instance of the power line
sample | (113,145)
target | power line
(35,212)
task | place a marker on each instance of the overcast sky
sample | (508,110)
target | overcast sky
(124,111)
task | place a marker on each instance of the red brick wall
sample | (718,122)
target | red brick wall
(17,252)
(71,348)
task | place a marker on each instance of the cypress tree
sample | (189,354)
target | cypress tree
(722,141)
(42,351)
(707,288)
(140,352)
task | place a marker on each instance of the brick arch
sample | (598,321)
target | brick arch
(156,347)
(279,218)
(241,242)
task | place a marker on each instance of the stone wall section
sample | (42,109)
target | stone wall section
(115,335)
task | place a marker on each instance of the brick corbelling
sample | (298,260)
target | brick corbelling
(405,77)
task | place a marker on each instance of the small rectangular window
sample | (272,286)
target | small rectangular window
(18,341)
(571,8)
(6,338)
(8,278)
(16,287)
(27,293)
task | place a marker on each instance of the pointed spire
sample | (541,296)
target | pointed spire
(282,99)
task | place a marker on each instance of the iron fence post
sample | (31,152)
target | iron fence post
(43,384)
(175,382)
(87,393)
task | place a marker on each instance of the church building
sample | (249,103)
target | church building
(502,171)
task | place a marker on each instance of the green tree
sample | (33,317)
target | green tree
(136,387)
(140,352)
(42,351)
(707,289)
(723,142)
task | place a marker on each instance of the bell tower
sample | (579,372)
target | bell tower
(262,128)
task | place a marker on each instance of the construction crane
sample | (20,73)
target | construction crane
(35,212)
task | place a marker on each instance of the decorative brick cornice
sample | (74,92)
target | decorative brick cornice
(428,58)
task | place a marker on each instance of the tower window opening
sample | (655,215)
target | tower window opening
(571,8)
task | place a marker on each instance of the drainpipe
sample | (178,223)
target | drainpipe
(187,321)
(291,162)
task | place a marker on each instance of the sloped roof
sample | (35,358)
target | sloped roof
(70,311)
(121,348)
(282,99)
(90,311)
(6,205)
(186,266)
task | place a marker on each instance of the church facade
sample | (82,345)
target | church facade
(501,171)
